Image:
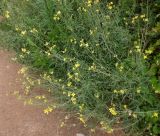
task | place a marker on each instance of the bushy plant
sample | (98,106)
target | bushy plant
(86,49)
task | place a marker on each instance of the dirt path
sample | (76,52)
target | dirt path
(19,120)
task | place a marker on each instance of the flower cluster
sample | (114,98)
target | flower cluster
(57,16)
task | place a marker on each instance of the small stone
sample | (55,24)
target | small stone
(80,134)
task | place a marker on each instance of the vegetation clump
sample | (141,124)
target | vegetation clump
(98,58)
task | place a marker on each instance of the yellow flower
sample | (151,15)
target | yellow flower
(81,107)
(113,111)
(73,94)
(91,32)
(62,124)
(155,114)
(74,100)
(148,51)
(16,28)
(14,59)
(81,118)
(57,16)
(93,67)
(22,70)
(145,56)
(69,84)
(77,65)
(142,16)
(89,3)
(70,76)
(145,20)
(134,115)
(125,106)
(64,59)
(45,101)
(58,12)
(34,30)
(48,110)
(110,5)
(30,102)
(7,14)
(38,97)
(23,32)
(48,54)
(115,91)
(65,50)
(24,50)
(122,91)
(138,90)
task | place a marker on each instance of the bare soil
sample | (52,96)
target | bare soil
(17,119)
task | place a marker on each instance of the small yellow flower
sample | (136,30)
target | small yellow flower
(138,90)
(30,102)
(7,14)
(91,32)
(34,30)
(74,100)
(23,32)
(110,5)
(155,114)
(69,84)
(145,56)
(48,110)
(23,70)
(14,59)
(24,50)
(38,97)
(142,16)
(77,65)
(89,3)
(58,12)
(113,111)
(145,19)
(125,106)
(81,107)
(115,91)
(73,94)
(62,124)
(64,59)
(16,28)
(81,118)
(57,16)
(122,91)
(70,76)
